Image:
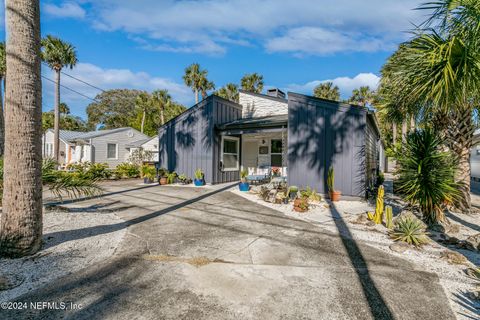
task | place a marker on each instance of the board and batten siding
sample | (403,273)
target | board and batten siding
(371,152)
(190,141)
(259,105)
(321,134)
(122,139)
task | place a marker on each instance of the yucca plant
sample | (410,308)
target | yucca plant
(426,174)
(409,230)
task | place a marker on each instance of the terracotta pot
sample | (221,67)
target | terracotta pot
(298,209)
(335,195)
(163,181)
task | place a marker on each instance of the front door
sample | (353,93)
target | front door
(250,155)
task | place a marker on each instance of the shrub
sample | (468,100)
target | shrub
(127,170)
(426,174)
(171,177)
(148,171)
(410,230)
(92,170)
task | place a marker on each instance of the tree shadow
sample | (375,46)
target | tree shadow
(463,299)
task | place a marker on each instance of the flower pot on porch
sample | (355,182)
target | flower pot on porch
(163,181)
(199,182)
(335,195)
(244,186)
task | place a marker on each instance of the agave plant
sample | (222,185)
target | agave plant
(426,174)
(409,230)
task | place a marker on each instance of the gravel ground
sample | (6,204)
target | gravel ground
(452,277)
(68,247)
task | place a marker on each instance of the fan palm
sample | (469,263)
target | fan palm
(162,100)
(440,68)
(252,82)
(327,91)
(229,92)
(58,54)
(362,96)
(205,86)
(194,78)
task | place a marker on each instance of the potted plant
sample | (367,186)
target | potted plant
(148,173)
(292,192)
(334,194)
(184,179)
(171,177)
(244,185)
(163,178)
(300,204)
(199,178)
(276,171)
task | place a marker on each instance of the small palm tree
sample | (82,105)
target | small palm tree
(63,108)
(195,78)
(144,104)
(3,70)
(229,92)
(252,83)
(205,86)
(58,54)
(362,96)
(327,91)
(162,100)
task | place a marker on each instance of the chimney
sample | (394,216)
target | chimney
(275,92)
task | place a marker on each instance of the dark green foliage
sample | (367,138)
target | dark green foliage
(127,170)
(94,171)
(426,174)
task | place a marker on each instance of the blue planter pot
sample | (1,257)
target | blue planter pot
(244,186)
(199,183)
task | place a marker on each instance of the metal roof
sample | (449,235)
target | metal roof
(278,120)
(94,134)
(138,143)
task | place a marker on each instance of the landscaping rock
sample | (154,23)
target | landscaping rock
(370,223)
(361,219)
(9,281)
(452,241)
(473,242)
(399,247)
(453,229)
(453,257)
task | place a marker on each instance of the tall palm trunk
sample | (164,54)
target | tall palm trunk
(404,131)
(412,123)
(162,116)
(196,96)
(394,134)
(2,121)
(21,220)
(143,121)
(56,123)
(459,135)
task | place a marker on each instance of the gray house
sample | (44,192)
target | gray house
(300,135)
(104,146)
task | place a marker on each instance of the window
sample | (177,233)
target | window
(230,153)
(49,149)
(276,150)
(112,151)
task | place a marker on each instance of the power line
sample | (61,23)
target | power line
(72,90)
(79,80)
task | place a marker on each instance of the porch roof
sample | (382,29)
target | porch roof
(267,122)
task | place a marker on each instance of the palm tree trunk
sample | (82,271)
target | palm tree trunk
(196,96)
(56,122)
(143,121)
(394,134)
(412,123)
(2,121)
(404,131)
(162,116)
(459,140)
(21,220)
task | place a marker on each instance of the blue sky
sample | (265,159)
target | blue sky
(294,44)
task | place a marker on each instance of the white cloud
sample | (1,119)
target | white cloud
(65,10)
(345,84)
(108,79)
(298,26)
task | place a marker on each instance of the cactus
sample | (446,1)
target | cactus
(389,217)
(379,207)
(370,215)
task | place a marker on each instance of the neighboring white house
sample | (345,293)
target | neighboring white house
(150,144)
(103,146)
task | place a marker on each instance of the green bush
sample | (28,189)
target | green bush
(410,230)
(148,171)
(127,170)
(91,170)
(426,174)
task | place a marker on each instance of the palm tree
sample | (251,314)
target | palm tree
(327,91)
(162,100)
(195,78)
(362,96)
(63,108)
(21,219)
(252,83)
(205,86)
(143,103)
(58,54)
(229,92)
(440,68)
(3,70)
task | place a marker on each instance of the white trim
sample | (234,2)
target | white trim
(237,140)
(116,151)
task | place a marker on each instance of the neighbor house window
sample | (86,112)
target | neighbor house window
(112,151)
(49,149)
(276,150)
(230,151)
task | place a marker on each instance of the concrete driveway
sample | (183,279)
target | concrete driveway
(205,253)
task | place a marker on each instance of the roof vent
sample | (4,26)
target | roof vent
(275,92)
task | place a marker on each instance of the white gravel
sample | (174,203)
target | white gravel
(452,277)
(72,241)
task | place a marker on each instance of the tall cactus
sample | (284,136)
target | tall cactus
(379,207)
(389,217)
